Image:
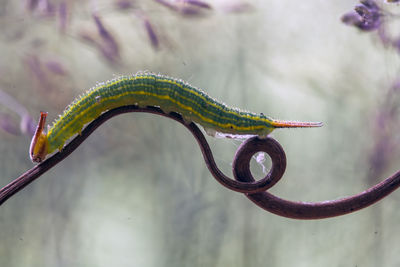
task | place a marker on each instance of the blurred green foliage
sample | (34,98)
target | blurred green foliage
(137,192)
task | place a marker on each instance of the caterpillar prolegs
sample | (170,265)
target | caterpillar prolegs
(147,89)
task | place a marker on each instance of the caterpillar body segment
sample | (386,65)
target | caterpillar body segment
(148,89)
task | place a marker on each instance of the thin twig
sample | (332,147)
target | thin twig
(241,168)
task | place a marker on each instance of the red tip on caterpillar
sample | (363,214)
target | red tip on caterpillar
(39,143)
(295,124)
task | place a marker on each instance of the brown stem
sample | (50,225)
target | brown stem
(241,169)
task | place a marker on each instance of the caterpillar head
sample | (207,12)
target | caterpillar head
(39,144)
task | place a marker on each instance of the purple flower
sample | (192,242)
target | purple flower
(198,3)
(152,34)
(190,11)
(55,67)
(62,16)
(109,47)
(189,8)
(31,4)
(366,17)
(123,4)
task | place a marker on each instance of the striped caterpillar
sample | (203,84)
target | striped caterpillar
(152,90)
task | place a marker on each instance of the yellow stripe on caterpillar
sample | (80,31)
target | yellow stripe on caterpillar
(152,90)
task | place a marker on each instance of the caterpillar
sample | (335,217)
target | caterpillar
(147,89)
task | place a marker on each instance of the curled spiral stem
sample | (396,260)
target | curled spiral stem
(244,181)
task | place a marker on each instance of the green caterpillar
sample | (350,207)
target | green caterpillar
(152,90)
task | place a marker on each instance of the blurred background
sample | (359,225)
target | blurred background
(138,193)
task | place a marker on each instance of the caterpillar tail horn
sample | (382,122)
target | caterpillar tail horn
(39,144)
(295,124)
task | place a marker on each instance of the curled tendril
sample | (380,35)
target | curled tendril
(244,181)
